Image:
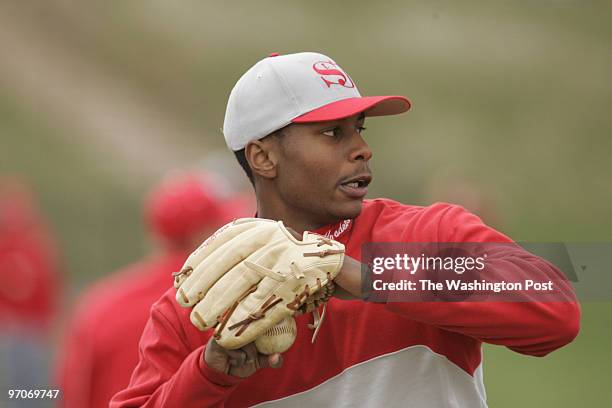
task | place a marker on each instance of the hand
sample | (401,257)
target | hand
(242,362)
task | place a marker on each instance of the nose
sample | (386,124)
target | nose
(359,149)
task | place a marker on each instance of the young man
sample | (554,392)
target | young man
(295,124)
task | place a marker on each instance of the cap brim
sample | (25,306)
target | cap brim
(371,105)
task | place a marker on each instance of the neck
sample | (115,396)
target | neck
(274,209)
(289,218)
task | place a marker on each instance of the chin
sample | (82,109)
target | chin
(349,210)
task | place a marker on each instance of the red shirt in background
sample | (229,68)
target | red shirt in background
(101,347)
(29,262)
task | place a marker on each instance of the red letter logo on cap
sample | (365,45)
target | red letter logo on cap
(332,74)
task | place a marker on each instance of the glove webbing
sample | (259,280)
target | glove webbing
(301,297)
(318,319)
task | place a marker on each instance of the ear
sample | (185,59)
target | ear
(263,157)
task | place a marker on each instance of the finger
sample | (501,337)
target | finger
(276,360)
(216,357)
(251,352)
(222,295)
(233,286)
(211,268)
(273,360)
(249,305)
(237,358)
(220,237)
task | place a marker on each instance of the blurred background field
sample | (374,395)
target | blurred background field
(511,101)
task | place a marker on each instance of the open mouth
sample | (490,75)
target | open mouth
(357,183)
(356,187)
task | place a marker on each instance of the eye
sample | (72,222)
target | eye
(360,129)
(334,132)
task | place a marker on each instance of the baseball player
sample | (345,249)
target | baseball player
(295,122)
(31,275)
(101,348)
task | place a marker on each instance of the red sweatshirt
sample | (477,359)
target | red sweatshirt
(366,354)
(101,347)
(30,276)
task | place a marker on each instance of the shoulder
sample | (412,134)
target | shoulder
(383,219)
(386,206)
(133,288)
(382,210)
(439,222)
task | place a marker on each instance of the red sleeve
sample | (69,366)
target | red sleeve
(170,372)
(529,327)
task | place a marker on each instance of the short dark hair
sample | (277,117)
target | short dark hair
(241,157)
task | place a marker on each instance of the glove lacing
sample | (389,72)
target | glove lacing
(303,302)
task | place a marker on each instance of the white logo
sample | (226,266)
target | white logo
(341,229)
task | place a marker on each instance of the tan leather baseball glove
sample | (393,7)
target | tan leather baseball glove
(251,274)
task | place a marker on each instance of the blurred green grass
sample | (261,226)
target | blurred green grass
(512,96)
(97,220)
(576,375)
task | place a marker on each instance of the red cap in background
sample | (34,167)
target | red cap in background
(188,203)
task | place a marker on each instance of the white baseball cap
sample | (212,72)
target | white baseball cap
(296,88)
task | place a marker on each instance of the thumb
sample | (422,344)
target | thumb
(275,360)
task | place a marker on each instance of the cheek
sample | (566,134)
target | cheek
(308,178)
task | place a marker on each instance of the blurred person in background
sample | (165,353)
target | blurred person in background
(29,272)
(101,346)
